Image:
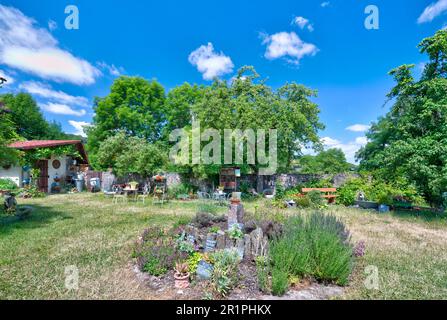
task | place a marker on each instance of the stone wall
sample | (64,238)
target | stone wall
(268,182)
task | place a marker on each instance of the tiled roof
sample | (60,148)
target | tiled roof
(34,144)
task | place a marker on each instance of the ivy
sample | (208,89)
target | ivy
(32,156)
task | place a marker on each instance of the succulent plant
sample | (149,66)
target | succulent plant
(181,268)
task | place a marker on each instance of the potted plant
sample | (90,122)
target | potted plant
(181,275)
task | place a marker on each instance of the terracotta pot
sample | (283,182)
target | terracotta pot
(181,281)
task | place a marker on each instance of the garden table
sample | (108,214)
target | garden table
(131,192)
(221,197)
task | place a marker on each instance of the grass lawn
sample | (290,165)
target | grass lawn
(96,236)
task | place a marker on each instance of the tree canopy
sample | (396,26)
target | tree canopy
(134,106)
(139,108)
(410,141)
(329,161)
(21,119)
(130,155)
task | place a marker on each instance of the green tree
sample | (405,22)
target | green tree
(179,102)
(26,116)
(134,106)
(8,156)
(27,120)
(411,140)
(130,155)
(329,161)
(248,103)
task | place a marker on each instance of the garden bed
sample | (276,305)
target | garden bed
(235,257)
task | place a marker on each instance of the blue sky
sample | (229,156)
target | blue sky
(322,44)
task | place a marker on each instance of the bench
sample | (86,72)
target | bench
(328,193)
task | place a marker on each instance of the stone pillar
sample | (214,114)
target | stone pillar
(235,214)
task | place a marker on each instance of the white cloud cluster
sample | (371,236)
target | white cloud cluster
(59,108)
(31,49)
(432,11)
(45,91)
(325,4)
(111,69)
(303,23)
(52,25)
(358,128)
(349,149)
(210,63)
(79,127)
(287,45)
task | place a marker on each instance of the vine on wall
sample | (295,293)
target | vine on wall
(32,156)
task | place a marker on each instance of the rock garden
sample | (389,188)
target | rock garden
(265,253)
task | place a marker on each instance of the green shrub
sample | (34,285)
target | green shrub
(291,252)
(180,189)
(320,221)
(317,246)
(193,261)
(378,191)
(302,202)
(316,199)
(8,185)
(332,261)
(279,190)
(157,252)
(280,281)
(224,275)
(235,233)
(262,272)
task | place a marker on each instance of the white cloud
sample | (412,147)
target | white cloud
(432,11)
(8,77)
(45,91)
(349,149)
(358,128)
(210,63)
(26,47)
(52,25)
(111,68)
(303,23)
(284,44)
(79,127)
(59,108)
(325,4)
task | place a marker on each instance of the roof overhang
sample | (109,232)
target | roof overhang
(36,144)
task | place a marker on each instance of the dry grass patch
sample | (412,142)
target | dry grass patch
(95,235)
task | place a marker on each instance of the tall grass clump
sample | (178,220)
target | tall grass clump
(317,246)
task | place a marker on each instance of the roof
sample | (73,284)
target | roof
(35,144)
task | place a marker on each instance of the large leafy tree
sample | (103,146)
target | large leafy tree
(248,103)
(178,106)
(130,155)
(8,156)
(27,119)
(134,106)
(328,161)
(411,140)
